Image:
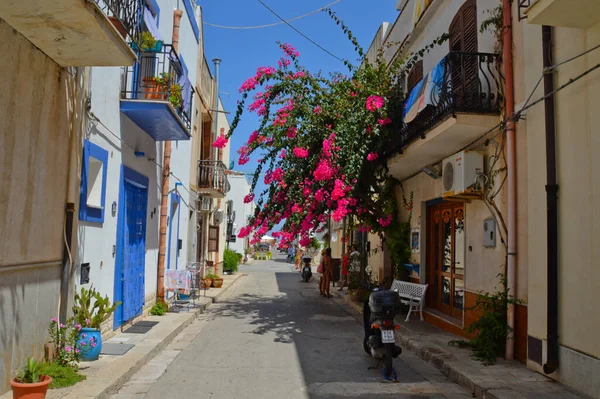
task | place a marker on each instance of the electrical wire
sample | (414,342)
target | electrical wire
(300,33)
(95,118)
(275,23)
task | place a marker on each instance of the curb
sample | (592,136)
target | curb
(118,384)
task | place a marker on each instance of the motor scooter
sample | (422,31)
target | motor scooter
(380,337)
(306,270)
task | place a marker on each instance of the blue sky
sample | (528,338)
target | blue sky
(242,51)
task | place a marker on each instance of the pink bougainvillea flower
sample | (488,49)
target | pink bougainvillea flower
(372,156)
(248,198)
(374,103)
(318,109)
(265,71)
(244,232)
(291,132)
(220,142)
(352,94)
(282,154)
(319,196)
(243,160)
(385,222)
(323,171)
(301,152)
(338,191)
(284,62)
(290,50)
(296,208)
(248,85)
(385,121)
(305,241)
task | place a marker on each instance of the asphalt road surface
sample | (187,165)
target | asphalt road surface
(272,336)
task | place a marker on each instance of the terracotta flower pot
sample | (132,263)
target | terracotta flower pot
(118,26)
(217,282)
(207,283)
(31,391)
(154,90)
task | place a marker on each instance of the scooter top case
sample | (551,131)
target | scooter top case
(384,303)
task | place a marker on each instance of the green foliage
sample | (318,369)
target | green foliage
(159,309)
(491,329)
(65,339)
(90,309)
(494,24)
(175,95)
(30,373)
(231,259)
(146,41)
(240,256)
(314,244)
(62,375)
(211,276)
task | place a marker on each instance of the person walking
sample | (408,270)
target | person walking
(345,263)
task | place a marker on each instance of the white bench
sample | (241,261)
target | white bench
(411,294)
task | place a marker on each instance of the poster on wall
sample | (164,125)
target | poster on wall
(414,240)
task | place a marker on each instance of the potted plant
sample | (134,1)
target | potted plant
(208,280)
(217,281)
(28,383)
(91,310)
(156,86)
(176,95)
(147,43)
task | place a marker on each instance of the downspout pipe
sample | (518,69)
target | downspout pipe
(164,199)
(217,63)
(552,207)
(511,267)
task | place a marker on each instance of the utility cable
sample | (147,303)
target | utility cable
(273,24)
(300,33)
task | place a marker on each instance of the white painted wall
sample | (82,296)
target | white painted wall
(240,187)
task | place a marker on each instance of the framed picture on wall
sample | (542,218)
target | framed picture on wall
(415,237)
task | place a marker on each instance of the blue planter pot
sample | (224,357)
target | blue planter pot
(90,344)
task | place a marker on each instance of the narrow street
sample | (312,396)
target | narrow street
(275,337)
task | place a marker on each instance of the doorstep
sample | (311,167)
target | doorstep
(504,380)
(108,374)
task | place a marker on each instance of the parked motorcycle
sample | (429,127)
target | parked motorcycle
(306,270)
(380,338)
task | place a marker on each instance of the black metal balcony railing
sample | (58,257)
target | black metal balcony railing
(125,15)
(157,76)
(471,84)
(211,175)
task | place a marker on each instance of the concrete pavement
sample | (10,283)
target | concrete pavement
(271,336)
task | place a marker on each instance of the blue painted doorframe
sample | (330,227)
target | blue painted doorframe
(131,245)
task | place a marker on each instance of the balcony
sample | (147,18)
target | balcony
(212,180)
(77,32)
(157,95)
(456,103)
(581,14)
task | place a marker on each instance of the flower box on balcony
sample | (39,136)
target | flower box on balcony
(157,48)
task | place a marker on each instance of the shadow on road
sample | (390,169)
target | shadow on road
(327,340)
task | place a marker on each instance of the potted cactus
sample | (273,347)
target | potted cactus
(91,310)
(28,383)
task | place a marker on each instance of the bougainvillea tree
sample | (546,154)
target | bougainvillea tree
(323,142)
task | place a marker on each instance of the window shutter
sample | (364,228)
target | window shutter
(206,141)
(415,76)
(463,39)
(213,239)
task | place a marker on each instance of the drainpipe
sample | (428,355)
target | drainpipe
(552,207)
(217,63)
(81,74)
(511,267)
(164,200)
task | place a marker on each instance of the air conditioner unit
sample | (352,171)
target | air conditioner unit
(204,203)
(460,171)
(217,217)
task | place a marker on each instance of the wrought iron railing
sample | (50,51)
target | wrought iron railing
(160,76)
(211,175)
(125,15)
(471,83)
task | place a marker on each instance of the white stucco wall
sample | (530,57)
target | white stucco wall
(239,189)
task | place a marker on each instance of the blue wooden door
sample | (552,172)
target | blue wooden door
(134,249)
